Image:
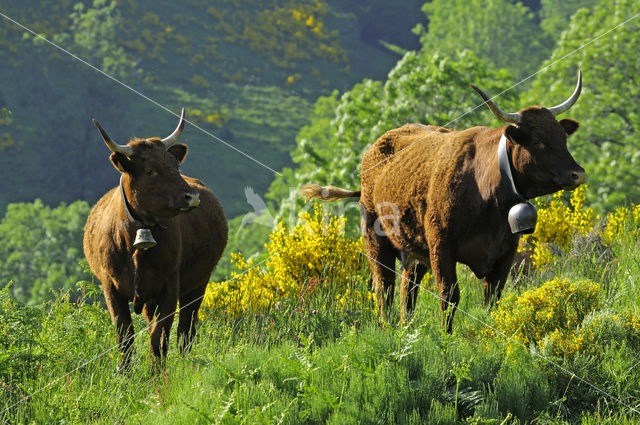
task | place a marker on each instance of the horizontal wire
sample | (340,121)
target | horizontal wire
(131,338)
(506,90)
(135,91)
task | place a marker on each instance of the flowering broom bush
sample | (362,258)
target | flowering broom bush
(551,314)
(623,221)
(314,257)
(558,223)
(562,318)
(597,330)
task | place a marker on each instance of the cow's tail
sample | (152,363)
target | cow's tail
(327,193)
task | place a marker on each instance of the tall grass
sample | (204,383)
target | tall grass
(320,361)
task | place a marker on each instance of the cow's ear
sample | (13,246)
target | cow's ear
(569,125)
(121,162)
(517,135)
(179,151)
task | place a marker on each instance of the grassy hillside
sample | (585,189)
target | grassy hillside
(246,72)
(562,347)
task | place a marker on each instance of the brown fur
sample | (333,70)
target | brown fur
(439,198)
(178,268)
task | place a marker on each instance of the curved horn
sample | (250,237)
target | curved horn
(123,149)
(173,137)
(558,109)
(499,113)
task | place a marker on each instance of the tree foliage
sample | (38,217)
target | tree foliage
(606,144)
(556,15)
(93,37)
(41,248)
(502,32)
(52,152)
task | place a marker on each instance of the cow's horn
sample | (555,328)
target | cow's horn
(499,113)
(173,137)
(123,149)
(557,110)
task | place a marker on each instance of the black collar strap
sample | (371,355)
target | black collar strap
(125,204)
(505,171)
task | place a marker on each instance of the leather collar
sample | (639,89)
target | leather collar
(505,171)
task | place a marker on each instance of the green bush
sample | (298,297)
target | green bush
(41,249)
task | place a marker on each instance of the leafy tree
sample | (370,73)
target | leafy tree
(557,14)
(607,144)
(501,32)
(41,248)
(423,87)
(94,39)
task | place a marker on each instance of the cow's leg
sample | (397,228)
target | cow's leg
(188,318)
(160,318)
(382,259)
(495,280)
(411,278)
(443,265)
(121,317)
(383,265)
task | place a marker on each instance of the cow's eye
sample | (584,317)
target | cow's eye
(538,144)
(149,171)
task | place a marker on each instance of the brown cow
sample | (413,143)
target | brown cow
(154,195)
(433,197)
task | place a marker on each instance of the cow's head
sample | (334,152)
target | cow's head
(541,162)
(151,180)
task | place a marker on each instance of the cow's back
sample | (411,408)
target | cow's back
(398,154)
(415,171)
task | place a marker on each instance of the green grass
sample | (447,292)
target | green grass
(299,366)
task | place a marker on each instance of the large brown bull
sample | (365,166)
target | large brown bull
(433,197)
(189,241)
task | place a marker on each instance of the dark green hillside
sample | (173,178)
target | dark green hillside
(246,71)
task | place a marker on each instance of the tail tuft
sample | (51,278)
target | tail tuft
(310,191)
(327,193)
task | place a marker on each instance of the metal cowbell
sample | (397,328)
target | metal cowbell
(144,239)
(522,218)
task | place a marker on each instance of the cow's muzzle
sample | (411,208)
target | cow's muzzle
(192,200)
(575,179)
